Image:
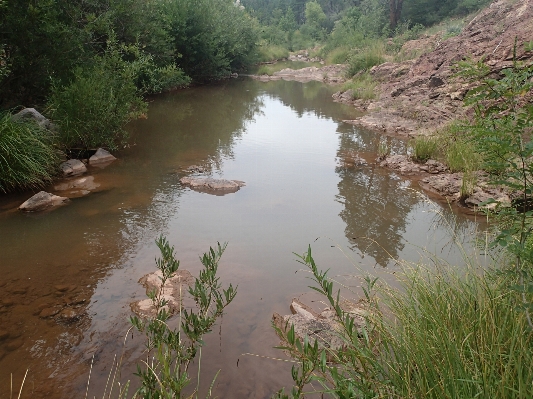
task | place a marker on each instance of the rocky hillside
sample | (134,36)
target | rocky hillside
(422,94)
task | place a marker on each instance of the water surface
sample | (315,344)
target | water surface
(304,186)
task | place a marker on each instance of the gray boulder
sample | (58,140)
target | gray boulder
(42,201)
(73,167)
(31,114)
(101,156)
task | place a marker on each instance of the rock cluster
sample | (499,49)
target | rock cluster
(328,74)
(323,326)
(173,292)
(404,165)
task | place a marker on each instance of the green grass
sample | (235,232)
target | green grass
(28,158)
(362,86)
(441,332)
(365,58)
(338,56)
(271,52)
(460,154)
(264,70)
(424,148)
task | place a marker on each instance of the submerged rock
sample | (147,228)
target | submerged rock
(42,201)
(323,326)
(73,167)
(101,156)
(77,187)
(212,186)
(173,292)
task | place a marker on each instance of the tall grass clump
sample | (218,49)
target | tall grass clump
(424,148)
(94,107)
(362,87)
(271,52)
(28,157)
(443,333)
(338,55)
(365,58)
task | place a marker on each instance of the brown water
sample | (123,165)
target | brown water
(287,141)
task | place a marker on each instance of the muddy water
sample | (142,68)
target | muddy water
(69,275)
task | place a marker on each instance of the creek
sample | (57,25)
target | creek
(304,185)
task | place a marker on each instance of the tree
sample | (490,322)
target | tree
(395,12)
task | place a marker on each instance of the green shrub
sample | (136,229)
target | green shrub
(94,107)
(424,148)
(338,56)
(366,58)
(28,158)
(362,86)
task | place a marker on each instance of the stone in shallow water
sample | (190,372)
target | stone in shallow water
(173,292)
(212,186)
(73,167)
(101,156)
(323,326)
(41,201)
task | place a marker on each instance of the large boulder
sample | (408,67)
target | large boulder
(212,186)
(101,156)
(42,201)
(31,114)
(173,292)
(72,167)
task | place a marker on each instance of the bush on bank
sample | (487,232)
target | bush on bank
(28,157)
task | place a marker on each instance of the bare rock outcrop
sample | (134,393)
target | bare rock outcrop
(404,165)
(212,186)
(173,292)
(323,326)
(425,93)
(42,201)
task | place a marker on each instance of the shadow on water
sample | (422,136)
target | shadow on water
(69,275)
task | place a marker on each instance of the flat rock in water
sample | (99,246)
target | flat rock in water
(212,186)
(323,326)
(101,156)
(42,201)
(77,187)
(173,292)
(73,167)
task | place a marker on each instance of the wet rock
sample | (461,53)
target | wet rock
(73,167)
(19,291)
(433,167)
(323,326)
(78,187)
(101,156)
(3,335)
(479,196)
(31,114)
(448,185)
(195,169)
(69,315)
(173,292)
(8,302)
(401,163)
(42,201)
(48,312)
(14,345)
(210,185)
(61,287)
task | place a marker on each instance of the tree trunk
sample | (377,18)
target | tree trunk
(395,12)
